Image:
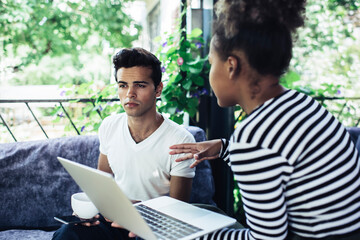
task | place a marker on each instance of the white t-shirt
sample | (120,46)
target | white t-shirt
(143,169)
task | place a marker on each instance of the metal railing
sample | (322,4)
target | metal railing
(323,99)
(59,101)
(93,101)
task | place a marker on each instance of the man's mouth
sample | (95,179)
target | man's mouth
(131,104)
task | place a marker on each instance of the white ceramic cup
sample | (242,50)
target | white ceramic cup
(82,206)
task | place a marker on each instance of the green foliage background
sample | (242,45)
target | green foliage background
(49,41)
(70,43)
(326,57)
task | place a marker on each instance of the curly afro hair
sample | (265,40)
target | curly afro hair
(231,13)
(262,29)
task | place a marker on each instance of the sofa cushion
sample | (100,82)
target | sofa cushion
(35,187)
(26,234)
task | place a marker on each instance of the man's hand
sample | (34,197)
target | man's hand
(89,224)
(200,151)
(115,225)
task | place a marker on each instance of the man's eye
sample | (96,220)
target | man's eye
(141,85)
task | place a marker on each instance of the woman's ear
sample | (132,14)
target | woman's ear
(233,66)
(159,89)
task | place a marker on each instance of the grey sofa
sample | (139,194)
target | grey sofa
(355,136)
(34,187)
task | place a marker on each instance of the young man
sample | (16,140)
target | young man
(134,145)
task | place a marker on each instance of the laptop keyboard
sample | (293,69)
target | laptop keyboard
(164,226)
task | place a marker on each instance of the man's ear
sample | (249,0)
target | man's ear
(159,89)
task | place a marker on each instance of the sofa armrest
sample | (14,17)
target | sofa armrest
(203,187)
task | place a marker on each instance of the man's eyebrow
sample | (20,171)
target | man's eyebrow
(143,82)
(137,82)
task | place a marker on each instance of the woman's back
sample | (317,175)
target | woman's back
(297,169)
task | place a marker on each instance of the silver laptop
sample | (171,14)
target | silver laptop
(158,218)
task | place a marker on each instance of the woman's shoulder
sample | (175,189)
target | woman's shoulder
(283,115)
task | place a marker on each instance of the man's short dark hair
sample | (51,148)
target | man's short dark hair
(138,57)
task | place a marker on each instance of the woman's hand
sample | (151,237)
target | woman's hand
(200,151)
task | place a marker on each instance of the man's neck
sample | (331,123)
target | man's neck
(141,128)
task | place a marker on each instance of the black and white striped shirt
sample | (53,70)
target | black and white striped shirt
(297,170)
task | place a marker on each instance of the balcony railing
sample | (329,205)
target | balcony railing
(356,115)
(28,102)
(59,101)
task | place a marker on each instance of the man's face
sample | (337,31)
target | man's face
(137,92)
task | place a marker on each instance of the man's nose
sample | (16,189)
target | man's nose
(131,92)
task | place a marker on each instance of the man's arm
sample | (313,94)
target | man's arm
(103,164)
(180,188)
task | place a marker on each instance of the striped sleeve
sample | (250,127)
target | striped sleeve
(224,152)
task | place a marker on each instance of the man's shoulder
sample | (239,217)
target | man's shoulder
(114,119)
(175,130)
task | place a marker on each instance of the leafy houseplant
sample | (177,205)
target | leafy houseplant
(184,73)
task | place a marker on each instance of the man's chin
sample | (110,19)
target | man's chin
(132,113)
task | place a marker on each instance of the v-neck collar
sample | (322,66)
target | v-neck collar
(147,140)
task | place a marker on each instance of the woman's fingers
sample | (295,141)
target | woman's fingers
(195,163)
(183,150)
(184,146)
(185,157)
(180,151)
(205,155)
(197,156)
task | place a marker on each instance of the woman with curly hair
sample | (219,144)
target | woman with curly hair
(297,169)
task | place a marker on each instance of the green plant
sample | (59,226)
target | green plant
(87,117)
(184,73)
(33,29)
